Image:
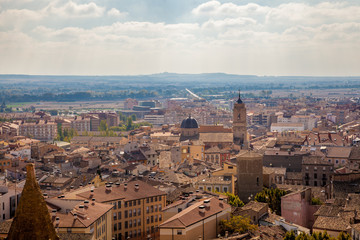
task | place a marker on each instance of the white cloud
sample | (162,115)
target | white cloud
(18,17)
(113,12)
(74,10)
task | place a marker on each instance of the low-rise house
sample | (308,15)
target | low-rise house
(200,220)
(252,210)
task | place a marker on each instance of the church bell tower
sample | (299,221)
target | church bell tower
(239,124)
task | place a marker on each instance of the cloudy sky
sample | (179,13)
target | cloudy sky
(117,37)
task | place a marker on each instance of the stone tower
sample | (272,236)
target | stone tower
(239,124)
(249,175)
(32,219)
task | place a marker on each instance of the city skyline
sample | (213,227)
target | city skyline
(306,38)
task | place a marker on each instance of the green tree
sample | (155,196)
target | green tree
(236,224)
(272,196)
(129,124)
(343,236)
(316,201)
(103,126)
(234,200)
(290,235)
(133,117)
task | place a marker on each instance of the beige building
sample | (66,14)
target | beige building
(73,217)
(41,130)
(191,150)
(137,211)
(199,221)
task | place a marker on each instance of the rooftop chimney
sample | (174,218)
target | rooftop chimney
(125,186)
(207,203)
(136,187)
(57,220)
(75,216)
(117,184)
(86,203)
(202,209)
(45,195)
(221,202)
(93,201)
(81,208)
(53,213)
(108,187)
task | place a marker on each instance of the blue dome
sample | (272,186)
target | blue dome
(189,123)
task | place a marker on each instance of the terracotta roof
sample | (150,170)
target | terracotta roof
(355,153)
(192,214)
(328,211)
(331,223)
(338,152)
(85,217)
(103,195)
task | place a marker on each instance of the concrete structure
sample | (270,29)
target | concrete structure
(296,208)
(156,120)
(9,200)
(239,124)
(249,174)
(199,221)
(316,171)
(41,130)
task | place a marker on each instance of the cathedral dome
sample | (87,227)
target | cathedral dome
(189,123)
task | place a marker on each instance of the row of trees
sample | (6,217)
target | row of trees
(65,134)
(316,236)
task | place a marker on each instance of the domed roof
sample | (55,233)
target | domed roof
(189,123)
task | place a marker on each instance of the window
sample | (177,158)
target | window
(134,212)
(126,224)
(315,183)
(152,208)
(139,232)
(126,213)
(126,204)
(139,211)
(156,218)
(147,209)
(160,218)
(315,175)
(148,230)
(115,227)
(159,198)
(134,203)
(115,216)
(225,189)
(114,203)
(138,202)
(147,200)
(130,224)
(119,215)
(130,213)
(130,203)
(119,225)
(139,222)
(119,204)
(257,181)
(209,189)
(152,219)
(152,199)
(160,207)
(155,199)
(134,223)
(147,220)
(155,208)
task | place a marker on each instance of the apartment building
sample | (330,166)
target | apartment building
(199,221)
(73,217)
(137,208)
(41,130)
